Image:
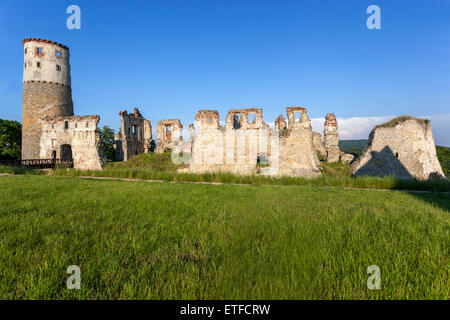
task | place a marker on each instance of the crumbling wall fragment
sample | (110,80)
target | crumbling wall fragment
(331,138)
(318,144)
(134,137)
(169,135)
(403,147)
(72,138)
(346,157)
(247,144)
(296,152)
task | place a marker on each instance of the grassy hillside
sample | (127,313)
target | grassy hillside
(355,147)
(443,154)
(138,240)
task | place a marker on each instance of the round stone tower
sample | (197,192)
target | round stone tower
(46,89)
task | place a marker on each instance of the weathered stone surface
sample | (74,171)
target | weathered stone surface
(46,61)
(246,142)
(74,138)
(403,147)
(49,129)
(168,133)
(40,100)
(135,135)
(318,144)
(280,123)
(330,133)
(346,157)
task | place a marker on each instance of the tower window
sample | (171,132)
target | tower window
(39,51)
(58,68)
(66,124)
(58,54)
(38,64)
(87,124)
(25,50)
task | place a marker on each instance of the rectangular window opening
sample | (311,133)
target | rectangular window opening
(251,118)
(38,64)
(298,116)
(66,124)
(58,68)
(58,54)
(237,121)
(39,50)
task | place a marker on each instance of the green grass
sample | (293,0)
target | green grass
(139,240)
(397,120)
(152,161)
(160,167)
(443,154)
(354,147)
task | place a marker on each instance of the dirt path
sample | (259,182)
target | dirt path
(242,184)
(249,185)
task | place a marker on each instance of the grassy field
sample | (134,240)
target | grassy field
(183,241)
(160,167)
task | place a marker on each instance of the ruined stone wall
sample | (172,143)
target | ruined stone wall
(318,144)
(72,137)
(46,90)
(168,133)
(280,123)
(40,100)
(331,138)
(296,153)
(46,60)
(135,135)
(246,143)
(403,148)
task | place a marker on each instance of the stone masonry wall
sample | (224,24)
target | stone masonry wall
(246,143)
(331,138)
(135,135)
(318,144)
(405,149)
(168,133)
(75,137)
(40,100)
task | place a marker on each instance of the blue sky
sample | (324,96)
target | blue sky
(172,58)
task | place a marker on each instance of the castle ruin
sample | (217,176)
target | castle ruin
(49,127)
(134,137)
(404,148)
(331,138)
(247,144)
(168,133)
(318,144)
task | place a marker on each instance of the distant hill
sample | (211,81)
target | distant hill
(356,147)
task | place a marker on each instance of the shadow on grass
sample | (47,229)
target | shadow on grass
(440,200)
